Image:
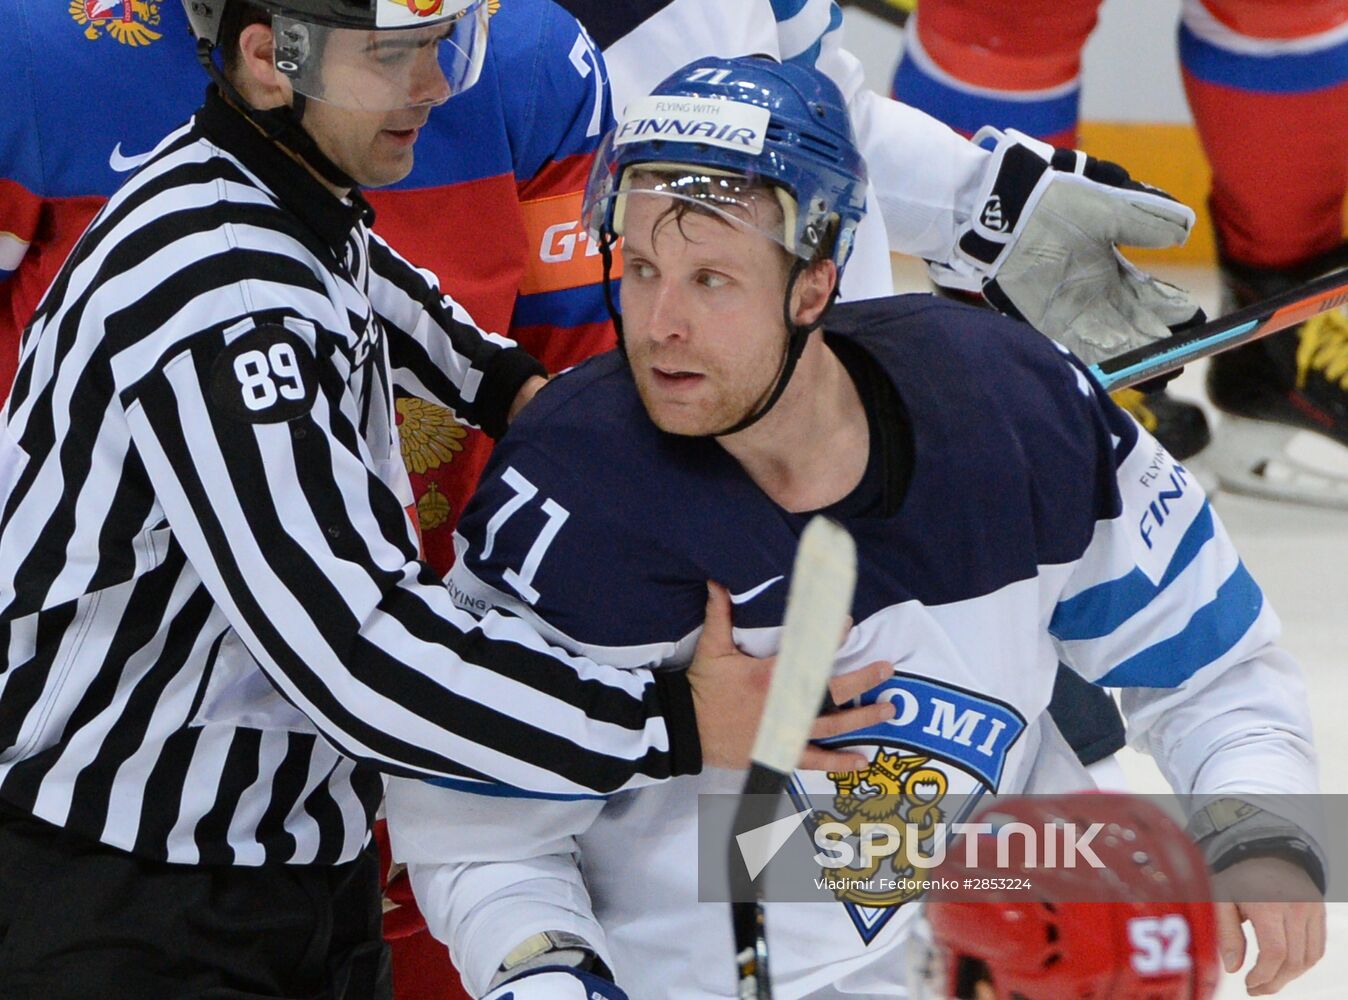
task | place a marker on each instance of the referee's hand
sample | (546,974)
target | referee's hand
(730,687)
(527,392)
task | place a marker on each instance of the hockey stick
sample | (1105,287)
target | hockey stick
(1254,321)
(896,12)
(823,577)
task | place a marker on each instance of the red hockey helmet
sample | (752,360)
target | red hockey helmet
(1142,927)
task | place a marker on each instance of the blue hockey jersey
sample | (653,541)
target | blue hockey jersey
(1039,524)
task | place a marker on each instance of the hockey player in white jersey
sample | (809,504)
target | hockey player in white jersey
(1006,513)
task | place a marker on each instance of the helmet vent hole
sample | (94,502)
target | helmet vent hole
(811,142)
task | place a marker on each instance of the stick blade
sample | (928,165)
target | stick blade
(823,578)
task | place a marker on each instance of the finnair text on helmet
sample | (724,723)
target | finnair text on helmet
(674,106)
(727,124)
(672,128)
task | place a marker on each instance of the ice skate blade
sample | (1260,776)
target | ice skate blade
(1253,458)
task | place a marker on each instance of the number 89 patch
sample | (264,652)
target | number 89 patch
(265,377)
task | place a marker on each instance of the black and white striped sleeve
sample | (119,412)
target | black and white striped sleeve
(250,438)
(437,351)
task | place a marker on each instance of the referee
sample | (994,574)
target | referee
(214,629)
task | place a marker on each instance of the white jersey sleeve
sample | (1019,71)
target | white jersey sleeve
(924,175)
(490,871)
(1161,605)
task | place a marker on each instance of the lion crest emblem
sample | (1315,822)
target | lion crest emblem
(899,789)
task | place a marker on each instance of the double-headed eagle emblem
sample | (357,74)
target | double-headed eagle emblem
(430,438)
(131,22)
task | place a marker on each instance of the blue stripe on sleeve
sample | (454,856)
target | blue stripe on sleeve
(1211,632)
(1099,610)
(810,56)
(968,112)
(784,10)
(500,791)
(1292,73)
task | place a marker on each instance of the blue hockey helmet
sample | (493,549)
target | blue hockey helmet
(718,127)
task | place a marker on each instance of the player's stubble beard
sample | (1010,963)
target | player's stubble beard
(730,390)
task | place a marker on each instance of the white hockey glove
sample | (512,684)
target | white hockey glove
(1042,246)
(557,982)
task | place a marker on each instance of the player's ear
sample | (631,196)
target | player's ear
(813,291)
(261,84)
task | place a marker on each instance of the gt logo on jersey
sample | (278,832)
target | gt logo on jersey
(563,255)
(560,243)
(130,22)
(264,377)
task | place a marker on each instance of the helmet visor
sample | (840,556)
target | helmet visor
(383,69)
(739,199)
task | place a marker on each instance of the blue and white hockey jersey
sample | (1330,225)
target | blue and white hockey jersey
(1039,523)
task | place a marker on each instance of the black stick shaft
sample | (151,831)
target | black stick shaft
(1254,321)
(757,807)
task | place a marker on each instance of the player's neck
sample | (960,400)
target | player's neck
(811,448)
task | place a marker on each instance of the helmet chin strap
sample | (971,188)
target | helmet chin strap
(797,335)
(607,239)
(280,125)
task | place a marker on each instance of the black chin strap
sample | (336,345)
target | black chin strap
(607,239)
(280,125)
(797,335)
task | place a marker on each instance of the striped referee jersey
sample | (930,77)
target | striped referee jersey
(214,626)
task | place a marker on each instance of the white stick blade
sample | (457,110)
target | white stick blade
(823,578)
